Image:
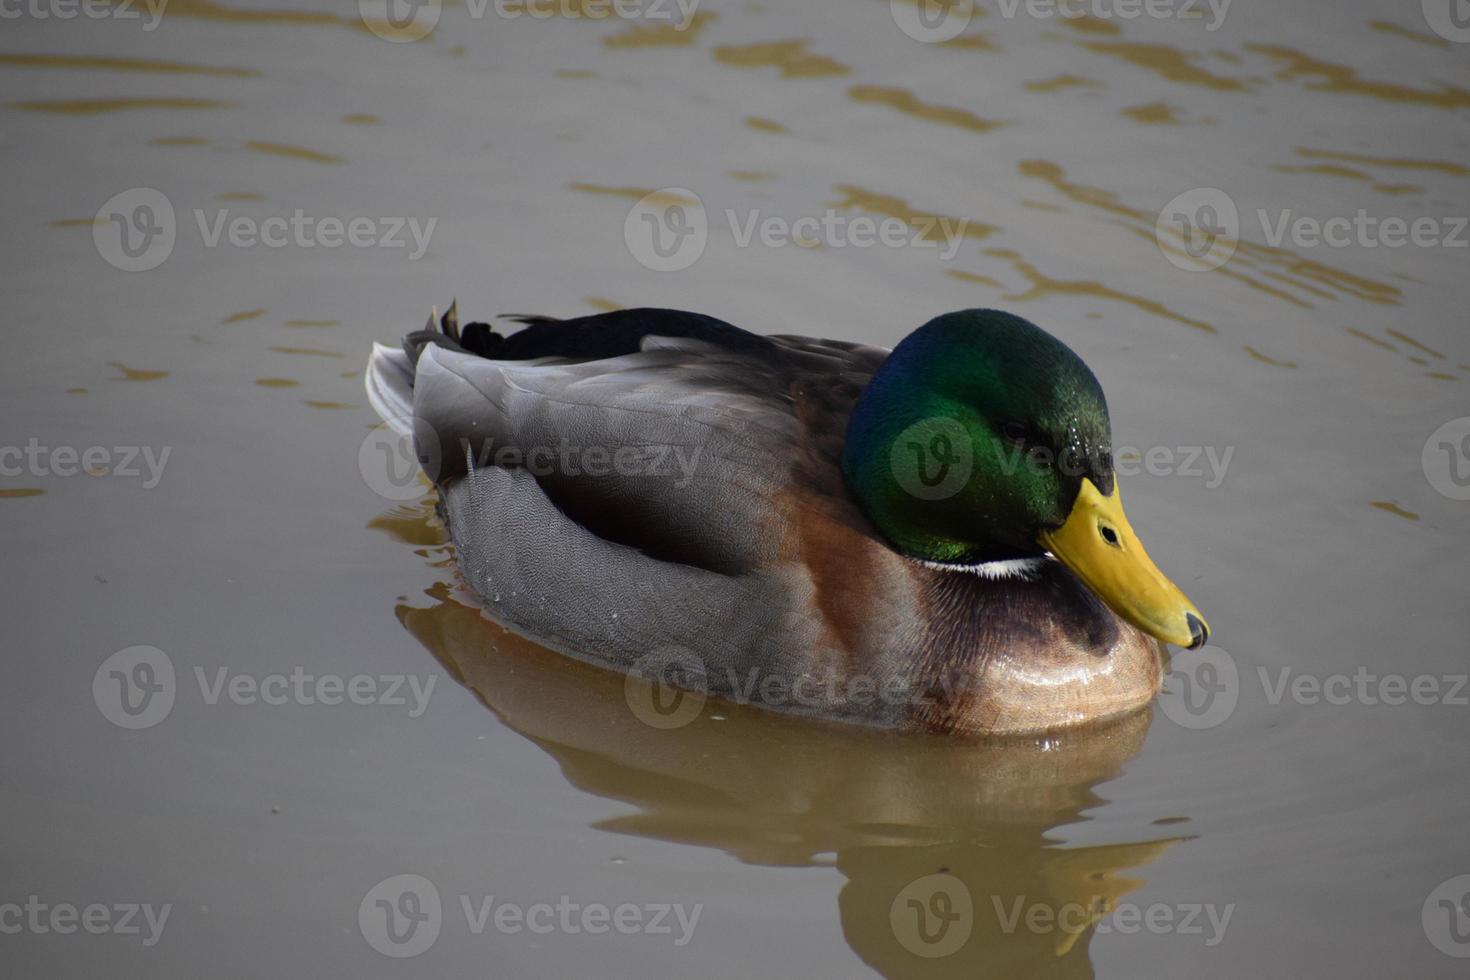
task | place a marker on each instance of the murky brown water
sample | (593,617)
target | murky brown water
(1295,803)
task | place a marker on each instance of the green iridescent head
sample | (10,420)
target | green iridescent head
(982,438)
(974,436)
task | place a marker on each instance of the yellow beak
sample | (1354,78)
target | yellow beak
(1097,543)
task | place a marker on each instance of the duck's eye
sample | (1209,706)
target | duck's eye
(1014,431)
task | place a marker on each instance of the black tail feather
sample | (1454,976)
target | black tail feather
(593,337)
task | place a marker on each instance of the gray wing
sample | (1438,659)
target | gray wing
(676,450)
(614,506)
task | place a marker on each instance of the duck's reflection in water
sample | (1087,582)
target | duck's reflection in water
(943,841)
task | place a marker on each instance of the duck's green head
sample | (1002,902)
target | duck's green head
(984,438)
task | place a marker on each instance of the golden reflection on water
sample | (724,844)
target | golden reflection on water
(905,101)
(294,152)
(1092,25)
(209,10)
(655,197)
(1363,334)
(17,492)
(1348,173)
(1342,79)
(605,305)
(1061,82)
(1414,343)
(884,810)
(1154,113)
(97,107)
(765,125)
(1278,264)
(974,277)
(83,62)
(308,351)
(1043,285)
(1389,27)
(930,226)
(1397,163)
(791,57)
(979,41)
(1167,62)
(1393,508)
(244,315)
(136,374)
(661,35)
(1264,359)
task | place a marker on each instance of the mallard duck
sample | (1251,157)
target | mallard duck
(928,538)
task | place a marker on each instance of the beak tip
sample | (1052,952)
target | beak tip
(1198,631)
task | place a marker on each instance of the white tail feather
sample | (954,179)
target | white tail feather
(389,383)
